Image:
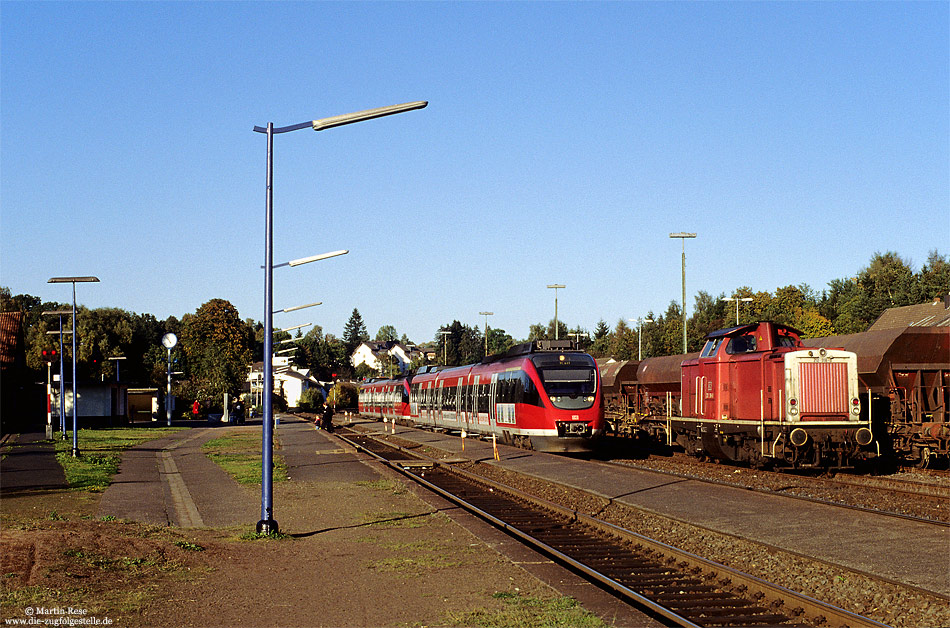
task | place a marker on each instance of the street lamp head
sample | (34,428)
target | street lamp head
(486,313)
(557,285)
(73,280)
(682,235)
(298,307)
(367,114)
(57,312)
(293,328)
(316,258)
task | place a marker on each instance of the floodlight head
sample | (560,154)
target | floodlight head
(367,114)
(73,280)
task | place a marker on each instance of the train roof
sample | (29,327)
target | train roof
(613,373)
(741,329)
(908,348)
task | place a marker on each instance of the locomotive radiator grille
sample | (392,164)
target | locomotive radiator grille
(824,387)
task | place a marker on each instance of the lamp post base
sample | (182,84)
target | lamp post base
(267,526)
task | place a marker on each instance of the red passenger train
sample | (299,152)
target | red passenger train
(541,395)
(753,394)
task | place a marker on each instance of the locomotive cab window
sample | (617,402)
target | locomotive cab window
(741,344)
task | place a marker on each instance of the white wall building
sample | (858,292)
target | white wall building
(376,355)
(289,381)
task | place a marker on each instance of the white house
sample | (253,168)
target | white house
(376,354)
(289,381)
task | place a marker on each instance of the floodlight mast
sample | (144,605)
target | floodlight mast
(683,236)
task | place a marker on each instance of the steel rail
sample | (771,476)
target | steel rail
(773,594)
(775,493)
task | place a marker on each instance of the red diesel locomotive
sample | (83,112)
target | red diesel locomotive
(541,395)
(754,394)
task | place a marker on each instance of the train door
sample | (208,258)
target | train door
(476,396)
(491,398)
(440,403)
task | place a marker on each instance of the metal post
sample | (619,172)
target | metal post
(168,390)
(445,347)
(684,296)
(75,391)
(556,286)
(49,400)
(267,525)
(683,237)
(62,382)
(486,315)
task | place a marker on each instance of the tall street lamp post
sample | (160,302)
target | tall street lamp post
(640,321)
(74,281)
(169,341)
(556,287)
(683,237)
(62,378)
(486,315)
(737,300)
(267,524)
(445,347)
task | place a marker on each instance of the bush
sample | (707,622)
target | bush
(310,400)
(344,396)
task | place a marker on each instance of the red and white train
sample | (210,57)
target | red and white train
(541,395)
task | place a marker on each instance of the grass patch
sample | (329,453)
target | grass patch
(524,612)
(239,454)
(385,485)
(413,564)
(100,451)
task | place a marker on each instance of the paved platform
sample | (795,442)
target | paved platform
(29,465)
(914,553)
(171,482)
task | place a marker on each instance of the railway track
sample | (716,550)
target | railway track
(898,498)
(676,587)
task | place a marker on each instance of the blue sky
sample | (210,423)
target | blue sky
(563,143)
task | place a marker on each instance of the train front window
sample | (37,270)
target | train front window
(569,388)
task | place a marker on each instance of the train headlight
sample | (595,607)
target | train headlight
(793,405)
(855,406)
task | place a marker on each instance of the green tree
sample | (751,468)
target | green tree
(601,341)
(623,342)
(214,339)
(934,277)
(387,333)
(499,341)
(354,333)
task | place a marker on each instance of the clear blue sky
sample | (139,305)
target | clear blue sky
(563,143)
